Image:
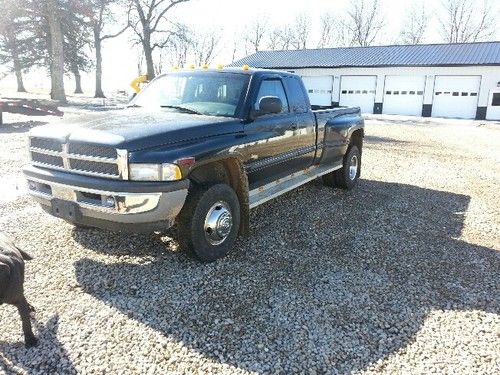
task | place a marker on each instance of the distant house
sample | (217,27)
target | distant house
(438,80)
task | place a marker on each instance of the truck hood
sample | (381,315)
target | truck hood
(137,128)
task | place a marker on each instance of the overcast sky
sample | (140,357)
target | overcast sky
(231,16)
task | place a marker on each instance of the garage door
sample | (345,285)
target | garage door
(319,89)
(456,96)
(358,91)
(404,95)
(493,111)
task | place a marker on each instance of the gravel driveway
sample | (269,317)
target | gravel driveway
(400,275)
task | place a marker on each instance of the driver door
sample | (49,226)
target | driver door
(271,147)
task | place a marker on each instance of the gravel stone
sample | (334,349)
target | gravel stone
(400,275)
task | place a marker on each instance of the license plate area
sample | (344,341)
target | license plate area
(65,210)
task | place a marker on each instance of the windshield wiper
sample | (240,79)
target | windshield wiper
(181,108)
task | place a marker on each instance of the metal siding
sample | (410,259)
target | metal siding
(483,53)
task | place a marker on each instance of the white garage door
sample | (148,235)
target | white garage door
(404,95)
(456,96)
(493,111)
(358,91)
(319,89)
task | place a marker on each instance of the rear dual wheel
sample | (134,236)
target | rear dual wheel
(347,176)
(209,222)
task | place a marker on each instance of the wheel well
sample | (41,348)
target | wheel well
(212,172)
(357,139)
(231,172)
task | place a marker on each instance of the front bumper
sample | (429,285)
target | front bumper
(105,203)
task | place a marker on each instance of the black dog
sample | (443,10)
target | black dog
(11,285)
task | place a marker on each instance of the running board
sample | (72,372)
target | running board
(276,188)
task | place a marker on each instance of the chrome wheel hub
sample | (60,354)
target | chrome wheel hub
(353,167)
(218,223)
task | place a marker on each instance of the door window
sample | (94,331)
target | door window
(272,87)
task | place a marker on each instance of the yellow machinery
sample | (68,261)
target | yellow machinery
(136,83)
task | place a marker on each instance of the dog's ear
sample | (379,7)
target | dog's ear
(24,254)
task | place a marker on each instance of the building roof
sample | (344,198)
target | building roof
(457,54)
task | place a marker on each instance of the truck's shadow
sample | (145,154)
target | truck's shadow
(285,300)
(372,139)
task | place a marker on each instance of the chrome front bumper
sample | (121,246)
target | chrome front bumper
(98,207)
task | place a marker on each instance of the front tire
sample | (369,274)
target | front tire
(208,224)
(346,177)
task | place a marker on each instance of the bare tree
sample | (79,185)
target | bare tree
(281,38)
(287,36)
(301,29)
(103,15)
(148,23)
(415,25)
(328,24)
(363,23)
(274,39)
(255,33)
(205,46)
(180,47)
(467,21)
(234,50)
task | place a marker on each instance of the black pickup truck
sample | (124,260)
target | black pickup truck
(196,148)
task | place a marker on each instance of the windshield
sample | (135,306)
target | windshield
(206,93)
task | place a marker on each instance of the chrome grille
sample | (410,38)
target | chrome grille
(94,160)
(93,166)
(46,144)
(92,150)
(49,160)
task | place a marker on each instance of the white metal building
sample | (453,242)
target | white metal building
(438,80)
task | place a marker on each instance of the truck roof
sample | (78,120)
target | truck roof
(242,70)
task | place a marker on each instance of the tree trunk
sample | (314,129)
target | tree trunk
(148,54)
(98,64)
(57,52)
(11,44)
(78,81)
(19,73)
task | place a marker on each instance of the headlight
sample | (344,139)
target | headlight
(154,172)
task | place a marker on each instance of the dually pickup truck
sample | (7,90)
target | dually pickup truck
(196,148)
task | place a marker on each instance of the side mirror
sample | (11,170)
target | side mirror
(267,105)
(270,105)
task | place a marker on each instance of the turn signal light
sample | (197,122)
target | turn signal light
(185,162)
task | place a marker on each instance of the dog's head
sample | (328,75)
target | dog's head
(8,248)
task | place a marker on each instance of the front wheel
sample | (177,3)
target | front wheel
(346,177)
(208,223)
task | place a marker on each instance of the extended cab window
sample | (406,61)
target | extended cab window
(297,96)
(213,94)
(272,87)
